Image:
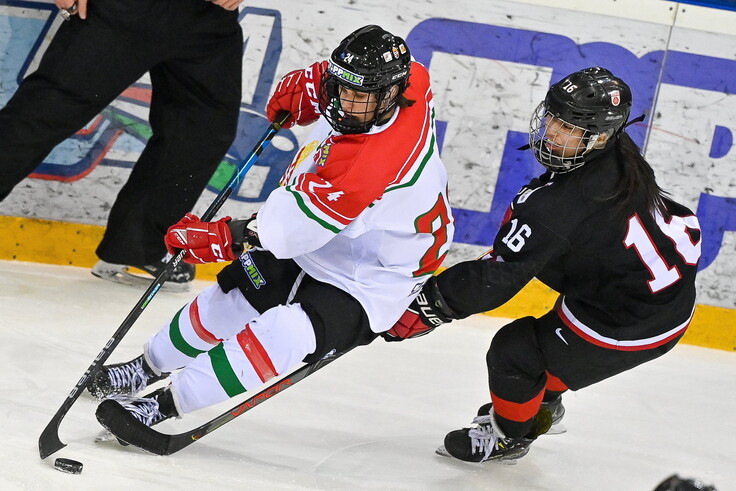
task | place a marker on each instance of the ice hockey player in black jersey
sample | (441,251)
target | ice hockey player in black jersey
(596,228)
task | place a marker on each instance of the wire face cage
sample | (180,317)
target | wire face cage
(558,145)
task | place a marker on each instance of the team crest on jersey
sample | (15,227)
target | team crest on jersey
(303,154)
(320,156)
(252,270)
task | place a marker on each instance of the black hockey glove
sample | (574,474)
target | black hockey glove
(245,233)
(428,311)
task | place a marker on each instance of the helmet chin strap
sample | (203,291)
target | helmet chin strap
(635,120)
(595,142)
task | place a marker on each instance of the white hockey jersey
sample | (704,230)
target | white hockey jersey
(367,213)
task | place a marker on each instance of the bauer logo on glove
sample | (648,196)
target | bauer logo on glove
(429,315)
(428,311)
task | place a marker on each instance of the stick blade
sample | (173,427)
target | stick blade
(49,441)
(124,426)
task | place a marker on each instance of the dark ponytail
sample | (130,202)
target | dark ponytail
(637,181)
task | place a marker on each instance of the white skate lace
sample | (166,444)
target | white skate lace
(483,439)
(144,409)
(131,375)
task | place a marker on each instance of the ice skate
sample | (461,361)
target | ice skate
(127,378)
(486,441)
(180,279)
(128,418)
(558,412)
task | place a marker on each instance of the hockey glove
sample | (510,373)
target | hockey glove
(428,311)
(298,93)
(204,242)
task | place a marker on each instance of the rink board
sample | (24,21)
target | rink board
(71,244)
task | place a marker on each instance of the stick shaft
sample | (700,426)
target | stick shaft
(49,441)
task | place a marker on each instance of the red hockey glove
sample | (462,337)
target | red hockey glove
(428,311)
(298,93)
(204,242)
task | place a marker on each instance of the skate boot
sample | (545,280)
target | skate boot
(129,418)
(558,412)
(123,378)
(486,441)
(180,279)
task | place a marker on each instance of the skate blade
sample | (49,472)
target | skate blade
(557,429)
(441,450)
(125,275)
(106,435)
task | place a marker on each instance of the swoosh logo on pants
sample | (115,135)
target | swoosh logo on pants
(558,331)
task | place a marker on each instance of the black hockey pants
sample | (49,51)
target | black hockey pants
(339,321)
(193,51)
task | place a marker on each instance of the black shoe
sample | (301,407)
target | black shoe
(127,378)
(179,280)
(483,443)
(182,273)
(558,412)
(129,418)
(486,441)
(151,409)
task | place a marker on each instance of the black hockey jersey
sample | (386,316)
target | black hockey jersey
(626,284)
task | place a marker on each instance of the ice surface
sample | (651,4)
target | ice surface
(370,420)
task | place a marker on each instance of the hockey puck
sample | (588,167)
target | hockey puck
(68,465)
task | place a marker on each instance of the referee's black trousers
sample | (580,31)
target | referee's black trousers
(193,51)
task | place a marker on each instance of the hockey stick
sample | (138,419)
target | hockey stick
(49,441)
(117,419)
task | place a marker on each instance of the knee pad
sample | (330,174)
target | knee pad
(514,344)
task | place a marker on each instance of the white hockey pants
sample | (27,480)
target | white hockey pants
(226,348)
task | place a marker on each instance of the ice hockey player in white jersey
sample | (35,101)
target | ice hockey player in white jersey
(334,256)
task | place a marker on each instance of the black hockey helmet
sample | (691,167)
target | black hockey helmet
(592,100)
(676,483)
(369,61)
